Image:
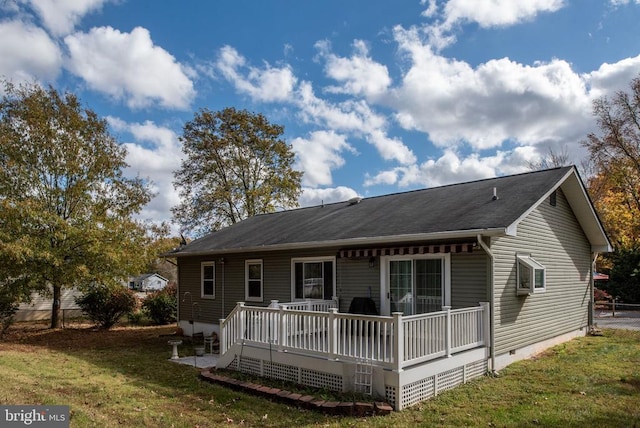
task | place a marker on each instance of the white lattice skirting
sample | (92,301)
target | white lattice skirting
(420,383)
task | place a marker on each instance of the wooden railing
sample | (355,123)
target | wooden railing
(394,342)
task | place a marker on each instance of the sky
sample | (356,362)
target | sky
(375,96)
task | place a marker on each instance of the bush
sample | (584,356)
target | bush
(106,305)
(161,306)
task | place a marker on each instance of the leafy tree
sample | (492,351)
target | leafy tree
(236,166)
(105,305)
(624,277)
(65,207)
(615,155)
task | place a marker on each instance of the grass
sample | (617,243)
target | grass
(123,378)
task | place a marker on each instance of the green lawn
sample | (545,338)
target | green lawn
(123,378)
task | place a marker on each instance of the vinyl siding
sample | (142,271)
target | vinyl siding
(469,281)
(354,278)
(554,238)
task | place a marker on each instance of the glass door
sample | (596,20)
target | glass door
(416,286)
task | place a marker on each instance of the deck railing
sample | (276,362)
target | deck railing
(394,342)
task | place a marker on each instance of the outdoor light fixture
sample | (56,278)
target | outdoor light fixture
(372,262)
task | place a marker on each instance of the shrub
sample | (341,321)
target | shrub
(162,306)
(105,305)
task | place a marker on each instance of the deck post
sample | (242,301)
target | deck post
(242,324)
(486,328)
(447,329)
(333,334)
(274,304)
(223,336)
(398,341)
(282,333)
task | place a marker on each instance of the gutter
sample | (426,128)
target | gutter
(376,240)
(492,303)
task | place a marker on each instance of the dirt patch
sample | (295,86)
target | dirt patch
(23,335)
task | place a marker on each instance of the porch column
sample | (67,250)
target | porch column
(398,341)
(447,329)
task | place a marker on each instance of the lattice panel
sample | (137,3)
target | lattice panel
(248,365)
(417,391)
(281,371)
(477,369)
(450,379)
(321,380)
(390,395)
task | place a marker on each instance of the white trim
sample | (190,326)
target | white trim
(246,280)
(202,266)
(385,292)
(295,260)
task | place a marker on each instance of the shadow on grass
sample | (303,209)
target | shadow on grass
(137,359)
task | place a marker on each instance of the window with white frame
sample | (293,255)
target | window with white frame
(313,278)
(253,280)
(208,280)
(531,275)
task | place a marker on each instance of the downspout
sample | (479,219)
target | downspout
(592,290)
(492,302)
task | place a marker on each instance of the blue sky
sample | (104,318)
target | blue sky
(375,97)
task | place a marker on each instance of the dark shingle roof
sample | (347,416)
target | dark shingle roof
(440,210)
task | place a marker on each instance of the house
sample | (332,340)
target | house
(40,306)
(148,282)
(464,278)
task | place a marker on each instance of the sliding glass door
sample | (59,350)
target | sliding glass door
(416,285)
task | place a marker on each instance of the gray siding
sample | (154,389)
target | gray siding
(357,279)
(230,281)
(469,284)
(354,278)
(554,238)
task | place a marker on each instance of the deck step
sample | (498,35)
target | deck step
(364,376)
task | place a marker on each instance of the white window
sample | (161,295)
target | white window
(208,280)
(531,275)
(253,280)
(313,278)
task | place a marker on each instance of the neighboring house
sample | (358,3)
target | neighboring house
(40,307)
(466,278)
(148,282)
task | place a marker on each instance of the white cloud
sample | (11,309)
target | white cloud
(610,78)
(129,66)
(449,168)
(61,16)
(355,117)
(312,197)
(318,155)
(27,53)
(268,84)
(359,74)
(496,101)
(155,154)
(492,13)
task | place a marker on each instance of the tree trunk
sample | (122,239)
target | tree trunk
(55,307)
